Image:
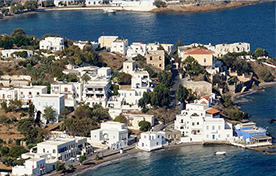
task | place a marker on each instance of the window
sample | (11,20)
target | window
(207,136)
(204,59)
(207,127)
(150,57)
(156,143)
(219,136)
(159,57)
(181,121)
(228,136)
(160,65)
(213,127)
(193,123)
(218,127)
(197,123)
(129,94)
(43,150)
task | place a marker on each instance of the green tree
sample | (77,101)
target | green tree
(4,150)
(31,109)
(49,113)
(260,52)
(182,93)
(226,101)
(144,125)
(82,158)
(192,67)
(15,105)
(4,106)
(18,33)
(85,77)
(165,78)
(60,166)
(120,118)
(30,5)
(16,151)
(159,3)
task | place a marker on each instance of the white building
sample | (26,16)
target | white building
(151,141)
(8,94)
(119,46)
(96,92)
(132,96)
(140,79)
(26,94)
(154,47)
(199,123)
(57,101)
(34,166)
(136,48)
(129,67)
(105,41)
(52,43)
(113,134)
(134,119)
(222,49)
(72,92)
(81,44)
(95,73)
(14,53)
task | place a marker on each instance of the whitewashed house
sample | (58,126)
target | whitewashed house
(81,44)
(199,123)
(26,94)
(134,119)
(113,134)
(57,101)
(14,53)
(141,79)
(119,46)
(52,43)
(72,92)
(151,141)
(105,41)
(136,48)
(8,94)
(129,67)
(132,96)
(34,166)
(96,92)
(222,49)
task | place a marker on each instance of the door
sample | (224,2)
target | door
(213,137)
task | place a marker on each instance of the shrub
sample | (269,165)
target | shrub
(265,75)
(144,125)
(82,158)
(159,3)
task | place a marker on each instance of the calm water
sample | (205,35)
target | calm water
(199,160)
(253,24)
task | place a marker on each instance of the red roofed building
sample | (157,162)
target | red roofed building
(203,56)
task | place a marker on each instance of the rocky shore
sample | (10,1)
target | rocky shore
(193,8)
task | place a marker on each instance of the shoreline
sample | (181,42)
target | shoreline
(193,9)
(92,164)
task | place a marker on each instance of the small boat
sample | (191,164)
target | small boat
(109,11)
(220,153)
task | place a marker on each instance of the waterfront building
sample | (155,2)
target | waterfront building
(95,2)
(34,166)
(199,123)
(42,158)
(26,94)
(72,92)
(96,92)
(151,141)
(119,46)
(156,58)
(139,5)
(134,119)
(129,67)
(16,53)
(248,132)
(105,41)
(57,101)
(81,44)
(222,49)
(203,56)
(52,43)
(113,134)
(136,48)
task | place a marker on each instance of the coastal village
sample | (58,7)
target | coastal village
(64,102)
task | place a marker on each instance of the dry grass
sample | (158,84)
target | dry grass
(166,115)
(112,60)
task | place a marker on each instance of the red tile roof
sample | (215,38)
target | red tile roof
(198,50)
(212,111)
(203,102)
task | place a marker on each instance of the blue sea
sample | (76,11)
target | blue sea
(254,24)
(200,160)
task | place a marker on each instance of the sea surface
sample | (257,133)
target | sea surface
(200,160)
(254,24)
